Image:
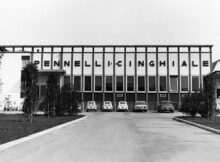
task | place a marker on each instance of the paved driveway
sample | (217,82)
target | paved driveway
(120,137)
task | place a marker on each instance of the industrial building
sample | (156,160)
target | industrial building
(151,73)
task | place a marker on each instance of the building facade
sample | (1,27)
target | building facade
(151,73)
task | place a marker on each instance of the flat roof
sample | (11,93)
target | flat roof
(171,45)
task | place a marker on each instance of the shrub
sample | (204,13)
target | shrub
(191,103)
(31,90)
(52,93)
(68,101)
(209,96)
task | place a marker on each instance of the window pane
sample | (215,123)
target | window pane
(119,83)
(141,83)
(88,83)
(108,83)
(217,83)
(218,93)
(38,92)
(163,83)
(152,86)
(173,83)
(22,82)
(184,83)
(43,90)
(66,80)
(98,83)
(77,83)
(195,83)
(130,83)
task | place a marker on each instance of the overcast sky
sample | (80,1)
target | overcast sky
(81,22)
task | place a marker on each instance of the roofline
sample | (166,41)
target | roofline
(177,45)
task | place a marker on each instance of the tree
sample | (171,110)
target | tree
(75,101)
(65,99)
(69,101)
(52,93)
(202,102)
(31,90)
(1,56)
(193,103)
(209,96)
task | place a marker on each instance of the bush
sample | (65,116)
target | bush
(209,99)
(31,90)
(52,93)
(202,103)
(192,104)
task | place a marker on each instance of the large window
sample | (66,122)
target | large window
(184,83)
(108,83)
(173,83)
(67,80)
(195,83)
(119,83)
(98,83)
(43,90)
(88,83)
(130,83)
(217,81)
(77,83)
(22,94)
(163,83)
(141,83)
(152,85)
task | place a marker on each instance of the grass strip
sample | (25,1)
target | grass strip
(13,127)
(215,123)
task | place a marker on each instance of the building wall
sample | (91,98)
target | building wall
(169,66)
(166,67)
(10,74)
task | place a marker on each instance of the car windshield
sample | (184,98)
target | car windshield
(140,103)
(123,102)
(166,102)
(107,102)
(91,103)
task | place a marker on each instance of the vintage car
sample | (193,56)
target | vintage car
(91,106)
(166,106)
(107,106)
(79,107)
(122,106)
(9,104)
(141,106)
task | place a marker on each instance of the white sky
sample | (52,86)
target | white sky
(79,22)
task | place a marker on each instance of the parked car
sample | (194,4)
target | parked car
(166,106)
(122,106)
(10,105)
(141,106)
(107,106)
(91,106)
(79,107)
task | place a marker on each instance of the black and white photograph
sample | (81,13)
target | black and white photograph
(110,81)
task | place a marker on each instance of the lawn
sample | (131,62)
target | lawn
(14,126)
(215,123)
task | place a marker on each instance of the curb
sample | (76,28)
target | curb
(197,125)
(38,134)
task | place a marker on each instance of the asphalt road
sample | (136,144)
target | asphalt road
(120,137)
